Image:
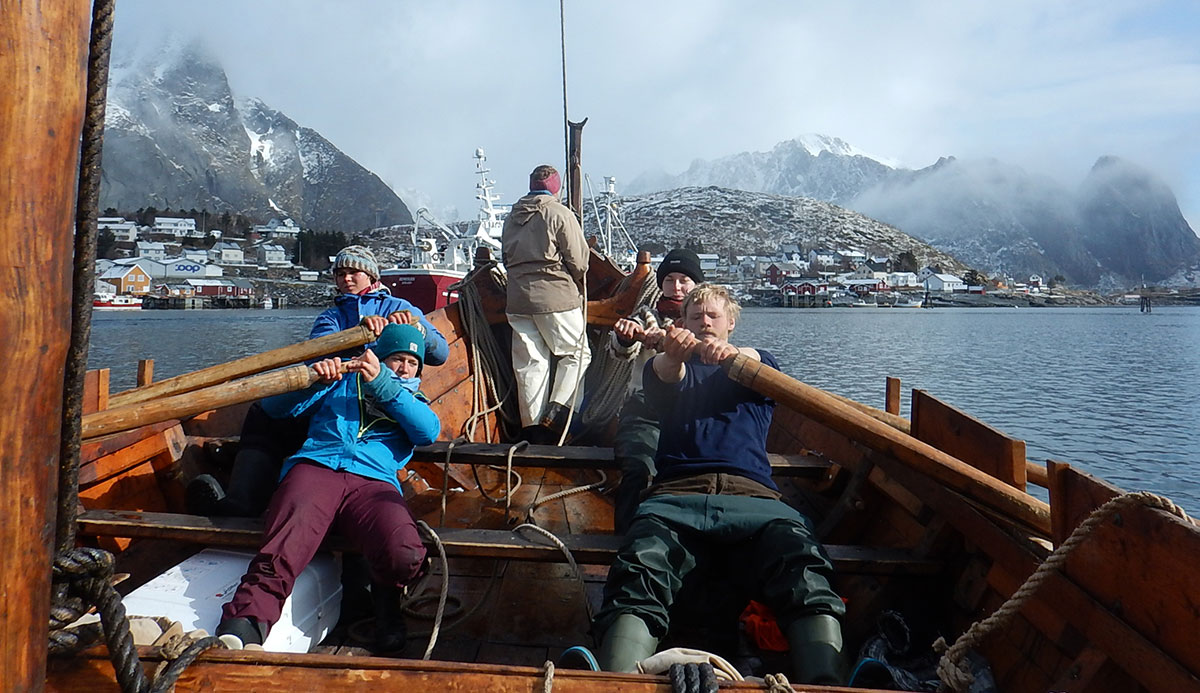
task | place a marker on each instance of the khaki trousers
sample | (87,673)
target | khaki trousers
(536,339)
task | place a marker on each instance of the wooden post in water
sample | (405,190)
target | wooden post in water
(43,56)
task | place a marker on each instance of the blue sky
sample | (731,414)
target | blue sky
(410,89)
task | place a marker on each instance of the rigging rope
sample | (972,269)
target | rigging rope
(84,271)
(952,669)
(489,362)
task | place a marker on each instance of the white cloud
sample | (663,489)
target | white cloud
(410,89)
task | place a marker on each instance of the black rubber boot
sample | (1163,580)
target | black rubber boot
(252,480)
(390,630)
(204,495)
(626,642)
(247,630)
(816,650)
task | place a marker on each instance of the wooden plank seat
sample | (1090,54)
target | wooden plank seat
(555,457)
(592,549)
(586,457)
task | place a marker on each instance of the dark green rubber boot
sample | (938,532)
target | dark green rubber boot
(626,642)
(816,650)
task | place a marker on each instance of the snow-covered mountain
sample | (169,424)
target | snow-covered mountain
(736,222)
(175,137)
(817,166)
(1122,225)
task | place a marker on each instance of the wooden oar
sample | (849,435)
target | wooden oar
(267,360)
(130,416)
(836,414)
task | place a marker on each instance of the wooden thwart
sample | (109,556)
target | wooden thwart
(584,457)
(594,549)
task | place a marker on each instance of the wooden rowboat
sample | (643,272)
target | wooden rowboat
(931,517)
(928,517)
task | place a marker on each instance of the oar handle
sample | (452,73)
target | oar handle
(178,406)
(249,365)
(877,435)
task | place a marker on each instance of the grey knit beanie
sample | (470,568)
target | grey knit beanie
(358,257)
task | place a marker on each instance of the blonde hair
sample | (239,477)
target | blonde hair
(709,292)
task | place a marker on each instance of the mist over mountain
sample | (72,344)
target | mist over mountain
(735,222)
(1122,225)
(176,137)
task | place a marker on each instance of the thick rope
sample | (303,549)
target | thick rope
(952,668)
(548,674)
(778,683)
(446,478)
(84,272)
(566,492)
(86,577)
(441,607)
(490,364)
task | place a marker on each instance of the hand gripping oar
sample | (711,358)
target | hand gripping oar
(177,406)
(257,363)
(829,410)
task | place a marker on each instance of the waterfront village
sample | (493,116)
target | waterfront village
(172,263)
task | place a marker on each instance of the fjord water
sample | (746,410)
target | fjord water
(1111,390)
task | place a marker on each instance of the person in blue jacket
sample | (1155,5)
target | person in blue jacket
(361,432)
(363,299)
(264,441)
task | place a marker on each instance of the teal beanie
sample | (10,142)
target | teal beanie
(401,338)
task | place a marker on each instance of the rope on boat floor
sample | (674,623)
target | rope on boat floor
(566,552)
(83,577)
(952,669)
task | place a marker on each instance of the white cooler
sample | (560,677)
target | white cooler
(194,591)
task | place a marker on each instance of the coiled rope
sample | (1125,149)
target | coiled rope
(84,576)
(494,380)
(952,669)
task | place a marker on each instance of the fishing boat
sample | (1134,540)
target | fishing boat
(942,549)
(441,259)
(109,301)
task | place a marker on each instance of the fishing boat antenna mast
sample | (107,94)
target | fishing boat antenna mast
(610,223)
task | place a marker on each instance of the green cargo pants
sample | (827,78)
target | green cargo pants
(761,544)
(634,448)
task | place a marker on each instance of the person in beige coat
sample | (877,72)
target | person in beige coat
(547,258)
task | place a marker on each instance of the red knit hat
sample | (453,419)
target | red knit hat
(545,177)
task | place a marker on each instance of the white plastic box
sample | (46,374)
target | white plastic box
(194,591)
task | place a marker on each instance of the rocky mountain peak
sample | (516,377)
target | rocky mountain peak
(176,136)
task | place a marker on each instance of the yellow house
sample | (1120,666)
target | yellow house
(130,279)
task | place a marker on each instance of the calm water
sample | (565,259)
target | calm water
(1110,390)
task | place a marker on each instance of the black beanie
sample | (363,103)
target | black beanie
(683,261)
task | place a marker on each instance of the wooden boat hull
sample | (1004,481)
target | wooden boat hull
(1118,616)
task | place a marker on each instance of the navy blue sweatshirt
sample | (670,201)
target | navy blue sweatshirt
(710,423)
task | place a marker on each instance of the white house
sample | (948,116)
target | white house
(854,257)
(823,258)
(151,249)
(124,231)
(945,283)
(276,228)
(272,254)
(197,254)
(177,227)
(709,262)
(903,279)
(226,253)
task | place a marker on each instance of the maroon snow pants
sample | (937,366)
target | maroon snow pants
(311,500)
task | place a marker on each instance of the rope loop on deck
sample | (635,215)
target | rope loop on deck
(952,668)
(83,577)
(566,552)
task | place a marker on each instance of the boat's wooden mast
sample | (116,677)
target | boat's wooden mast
(44,60)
